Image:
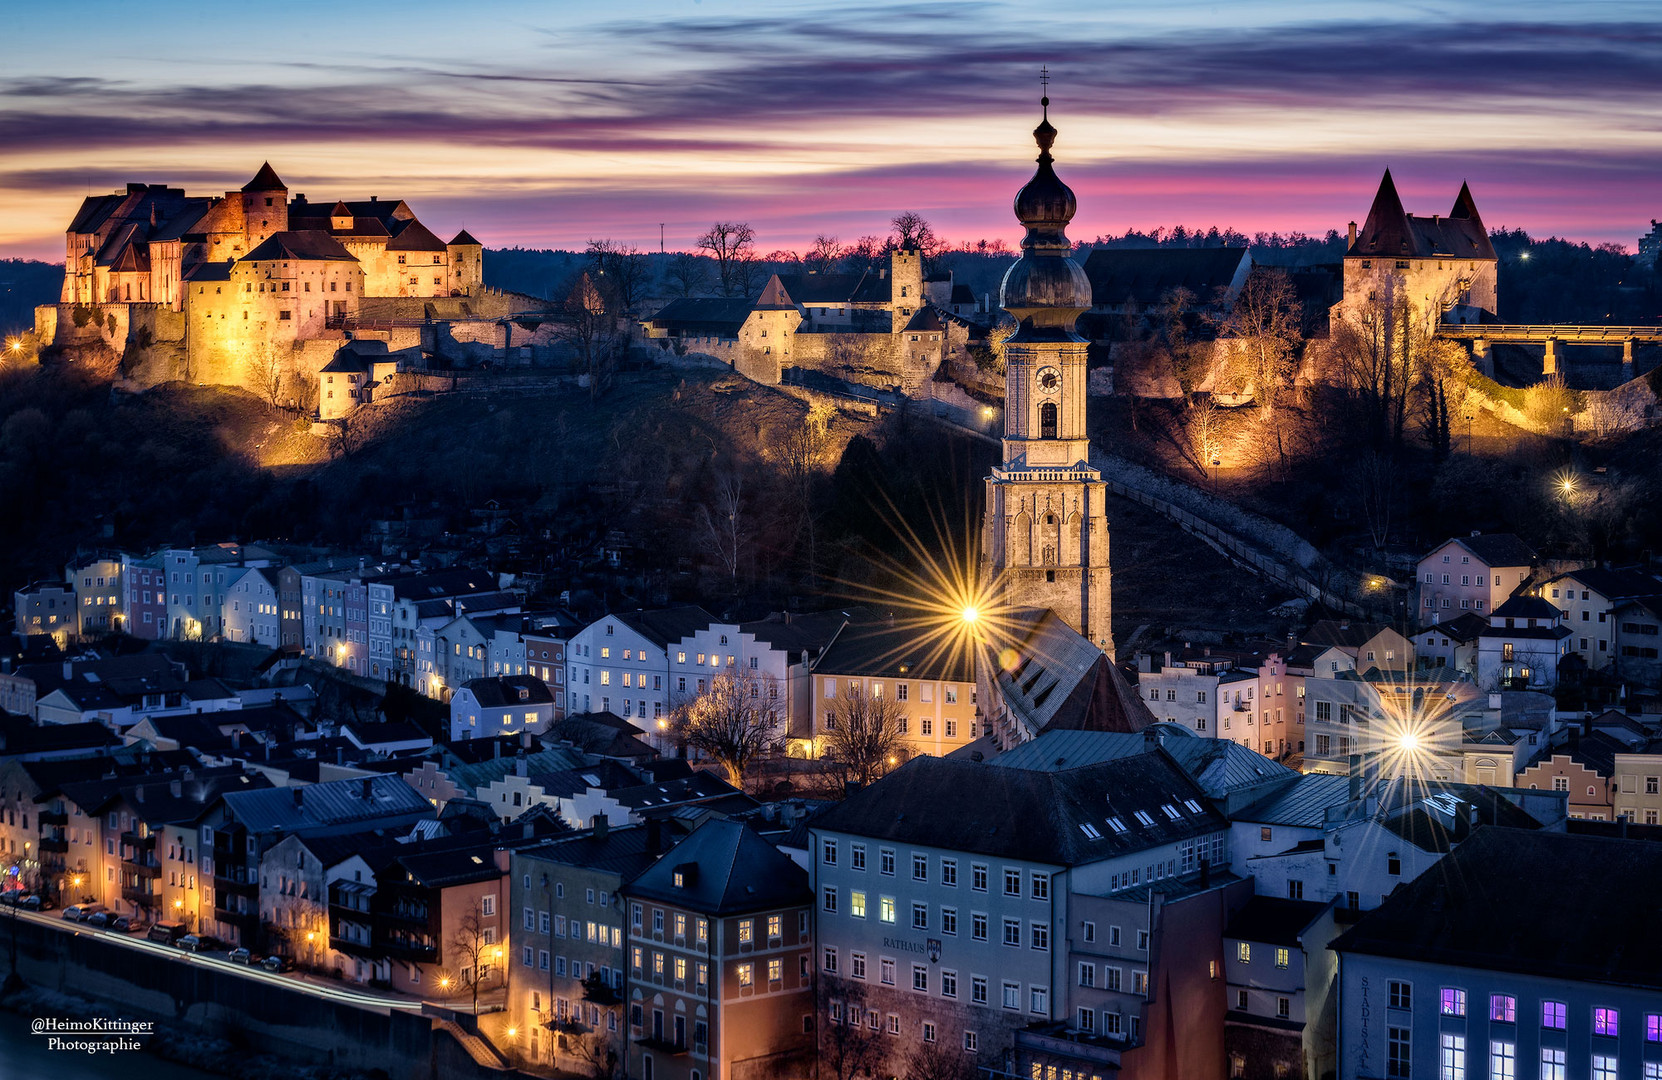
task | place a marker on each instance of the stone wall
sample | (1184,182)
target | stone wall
(215,998)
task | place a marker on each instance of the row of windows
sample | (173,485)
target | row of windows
(927,1030)
(1452,1063)
(1503,1009)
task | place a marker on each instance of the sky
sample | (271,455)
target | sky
(546,124)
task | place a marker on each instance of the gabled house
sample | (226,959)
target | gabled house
(501,705)
(1522,646)
(1471,573)
(1589,598)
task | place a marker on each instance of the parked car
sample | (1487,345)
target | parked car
(278,964)
(82,912)
(101,919)
(128,924)
(34,903)
(190,943)
(167,933)
(240,956)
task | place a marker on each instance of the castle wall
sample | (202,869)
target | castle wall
(1466,287)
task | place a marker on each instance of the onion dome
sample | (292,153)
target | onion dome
(1046,288)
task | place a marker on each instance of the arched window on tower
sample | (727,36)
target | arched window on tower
(1047,420)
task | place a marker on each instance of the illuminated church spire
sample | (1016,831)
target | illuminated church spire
(1045,536)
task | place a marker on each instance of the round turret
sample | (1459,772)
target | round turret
(1046,288)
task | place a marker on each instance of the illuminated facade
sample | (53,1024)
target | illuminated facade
(1045,537)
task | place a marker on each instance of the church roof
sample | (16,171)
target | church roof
(1391,232)
(301,247)
(1062,682)
(265,180)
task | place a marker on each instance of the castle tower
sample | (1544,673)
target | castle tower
(1044,540)
(265,207)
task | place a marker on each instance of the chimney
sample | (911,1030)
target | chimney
(340,755)
(176,788)
(600,824)
(525,739)
(528,829)
(1151,740)
(68,670)
(654,835)
(1168,658)
(1355,777)
(519,765)
(295,793)
(236,738)
(1292,641)
(369,784)
(1353,234)
(496,748)
(1494,699)
(1587,726)
(1206,864)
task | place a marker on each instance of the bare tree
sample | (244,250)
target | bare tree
(735,721)
(722,523)
(848,1046)
(623,273)
(687,273)
(1265,323)
(1374,351)
(731,244)
(863,254)
(937,1061)
(1373,482)
(863,733)
(823,254)
(591,331)
(265,372)
(1549,404)
(469,948)
(805,446)
(911,231)
(1205,429)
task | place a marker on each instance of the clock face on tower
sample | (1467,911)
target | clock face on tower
(1048,379)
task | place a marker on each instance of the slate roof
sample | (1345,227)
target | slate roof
(624,851)
(703,316)
(1062,681)
(1612,584)
(774,297)
(325,805)
(472,776)
(926,321)
(440,584)
(19,735)
(1302,804)
(699,787)
(1500,902)
(1034,815)
(726,869)
(1343,633)
(497,691)
(1390,232)
(1273,920)
(895,651)
(1218,766)
(1596,752)
(1145,275)
(345,362)
(804,634)
(664,626)
(1496,549)
(1527,607)
(1460,629)
(821,290)
(415,236)
(464,237)
(265,180)
(305,246)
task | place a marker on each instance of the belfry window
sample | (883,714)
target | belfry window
(1047,420)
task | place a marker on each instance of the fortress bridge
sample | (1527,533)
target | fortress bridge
(1553,336)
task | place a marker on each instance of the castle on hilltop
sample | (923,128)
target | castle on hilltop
(217,286)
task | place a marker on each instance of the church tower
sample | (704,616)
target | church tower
(1044,541)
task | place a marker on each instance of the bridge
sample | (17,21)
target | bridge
(1553,336)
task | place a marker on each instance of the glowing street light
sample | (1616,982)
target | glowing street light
(1409,742)
(970,614)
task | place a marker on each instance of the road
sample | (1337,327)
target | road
(363,999)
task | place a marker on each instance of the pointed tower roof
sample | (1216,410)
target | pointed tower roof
(265,180)
(1464,205)
(465,237)
(1386,231)
(774,297)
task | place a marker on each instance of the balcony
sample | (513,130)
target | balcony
(248,922)
(138,842)
(351,947)
(148,868)
(140,894)
(54,817)
(663,1046)
(58,844)
(406,951)
(237,883)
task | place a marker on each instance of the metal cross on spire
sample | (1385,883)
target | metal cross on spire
(1044,84)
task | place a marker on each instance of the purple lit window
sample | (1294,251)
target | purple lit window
(1454,1002)
(1653,1027)
(1606,1021)
(1503,1008)
(1552,1014)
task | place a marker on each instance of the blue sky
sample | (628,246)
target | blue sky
(550,123)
